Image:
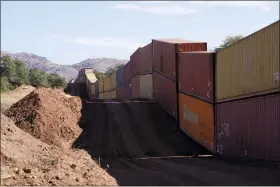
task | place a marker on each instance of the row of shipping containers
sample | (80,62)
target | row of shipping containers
(229,101)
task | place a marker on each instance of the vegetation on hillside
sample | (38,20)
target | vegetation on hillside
(229,40)
(14,73)
(112,69)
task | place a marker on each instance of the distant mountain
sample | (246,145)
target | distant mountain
(66,71)
(98,64)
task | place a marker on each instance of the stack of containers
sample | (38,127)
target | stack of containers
(165,70)
(113,85)
(107,87)
(196,96)
(127,92)
(96,85)
(119,83)
(101,88)
(135,79)
(248,98)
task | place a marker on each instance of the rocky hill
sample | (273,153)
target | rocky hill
(68,71)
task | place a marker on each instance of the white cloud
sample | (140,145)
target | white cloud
(263,5)
(159,8)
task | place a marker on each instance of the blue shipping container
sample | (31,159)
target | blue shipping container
(119,77)
(127,92)
(96,89)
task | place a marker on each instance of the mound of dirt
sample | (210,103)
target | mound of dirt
(26,160)
(49,115)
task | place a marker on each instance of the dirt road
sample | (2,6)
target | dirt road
(119,133)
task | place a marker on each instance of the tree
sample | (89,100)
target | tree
(112,69)
(229,40)
(38,78)
(21,76)
(5,86)
(8,68)
(55,81)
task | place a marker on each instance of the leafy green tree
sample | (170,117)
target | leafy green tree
(38,78)
(21,76)
(229,40)
(5,86)
(8,68)
(55,81)
(112,69)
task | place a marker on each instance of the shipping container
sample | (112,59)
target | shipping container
(165,93)
(195,74)
(101,85)
(164,54)
(250,67)
(127,92)
(113,80)
(197,120)
(249,128)
(107,84)
(146,59)
(135,86)
(96,85)
(146,86)
(135,62)
(101,95)
(126,73)
(119,77)
(113,94)
(120,93)
(107,95)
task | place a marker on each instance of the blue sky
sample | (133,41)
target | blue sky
(69,32)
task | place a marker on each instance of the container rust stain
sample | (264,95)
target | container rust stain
(197,120)
(250,67)
(249,128)
(165,93)
(165,50)
(196,74)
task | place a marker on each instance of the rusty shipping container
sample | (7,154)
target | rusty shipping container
(127,92)
(107,95)
(164,54)
(196,75)
(197,120)
(250,67)
(113,81)
(113,94)
(146,86)
(165,93)
(146,59)
(249,128)
(119,77)
(119,93)
(135,62)
(135,86)
(96,85)
(107,84)
(126,73)
(101,85)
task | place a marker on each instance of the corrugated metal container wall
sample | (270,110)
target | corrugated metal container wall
(164,55)
(107,84)
(135,85)
(165,93)
(249,128)
(146,59)
(119,77)
(135,62)
(126,73)
(101,95)
(107,95)
(101,85)
(146,86)
(197,120)
(113,94)
(113,81)
(96,85)
(120,93)
(196,74)
(127,92)
(250,66)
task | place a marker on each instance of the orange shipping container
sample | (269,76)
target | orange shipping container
(197,120)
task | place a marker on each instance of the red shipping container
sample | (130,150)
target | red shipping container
(196,74)
(146,59)
(120,93)
(126,73)
(249,128)
(135,62)
(135,85)
(164,54)
(165,93)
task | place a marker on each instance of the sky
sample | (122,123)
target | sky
(67,32)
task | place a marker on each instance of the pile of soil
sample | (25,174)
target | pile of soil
(26,160)
(49,115)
